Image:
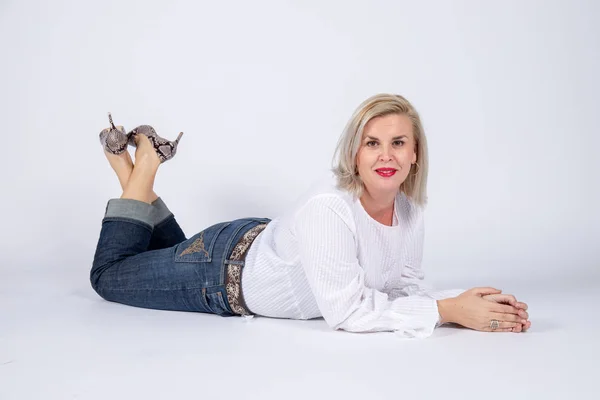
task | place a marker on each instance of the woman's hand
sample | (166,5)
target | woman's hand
(471,310)
(510,299)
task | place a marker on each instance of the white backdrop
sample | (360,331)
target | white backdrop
(508,92)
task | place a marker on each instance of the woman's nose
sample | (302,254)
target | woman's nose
(385,154)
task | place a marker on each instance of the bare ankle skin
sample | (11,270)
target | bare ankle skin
(123,166)
(140,185)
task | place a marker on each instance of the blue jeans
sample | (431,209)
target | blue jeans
(143,259)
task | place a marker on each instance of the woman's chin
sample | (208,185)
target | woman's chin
(384,187)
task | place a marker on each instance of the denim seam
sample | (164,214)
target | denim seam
(162,290)
(210,250)
(164,221)
(226,301)
(212,243)
(130,220)
(229,248)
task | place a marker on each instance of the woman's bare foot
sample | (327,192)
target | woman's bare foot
(145,152)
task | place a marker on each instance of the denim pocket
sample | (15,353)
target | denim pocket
(199,248)
(216,303)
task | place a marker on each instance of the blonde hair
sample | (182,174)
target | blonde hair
(344,159)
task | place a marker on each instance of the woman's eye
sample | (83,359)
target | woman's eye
(372,143)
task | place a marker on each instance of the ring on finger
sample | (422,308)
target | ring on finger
(507,325)
(494,324)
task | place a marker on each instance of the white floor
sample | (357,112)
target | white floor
(59,340)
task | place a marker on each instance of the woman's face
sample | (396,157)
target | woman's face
(386,153)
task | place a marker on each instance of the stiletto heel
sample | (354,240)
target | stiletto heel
(165,149)
(113,139)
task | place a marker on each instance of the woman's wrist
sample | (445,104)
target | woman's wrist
(444,311)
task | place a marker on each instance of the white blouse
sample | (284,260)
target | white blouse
(328,257)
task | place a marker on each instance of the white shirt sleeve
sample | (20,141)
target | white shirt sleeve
(413,281)
(328,255)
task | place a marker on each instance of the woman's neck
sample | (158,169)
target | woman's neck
(381,209)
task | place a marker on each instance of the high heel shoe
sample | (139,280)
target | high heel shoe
(113,139)
(165,149)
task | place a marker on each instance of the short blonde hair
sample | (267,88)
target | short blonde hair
(344,160)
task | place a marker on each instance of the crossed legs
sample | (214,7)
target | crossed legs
(137,182)
(134,261)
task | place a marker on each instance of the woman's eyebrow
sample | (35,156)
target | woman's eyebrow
(394,138)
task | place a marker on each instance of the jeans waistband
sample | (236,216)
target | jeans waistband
(233,277)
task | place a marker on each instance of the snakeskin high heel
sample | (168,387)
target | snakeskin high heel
(165,149)
(113,139)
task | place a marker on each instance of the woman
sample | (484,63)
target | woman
(349,250)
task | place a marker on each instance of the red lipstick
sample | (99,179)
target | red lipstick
(386,172)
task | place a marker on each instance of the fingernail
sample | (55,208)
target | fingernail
(523,321)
